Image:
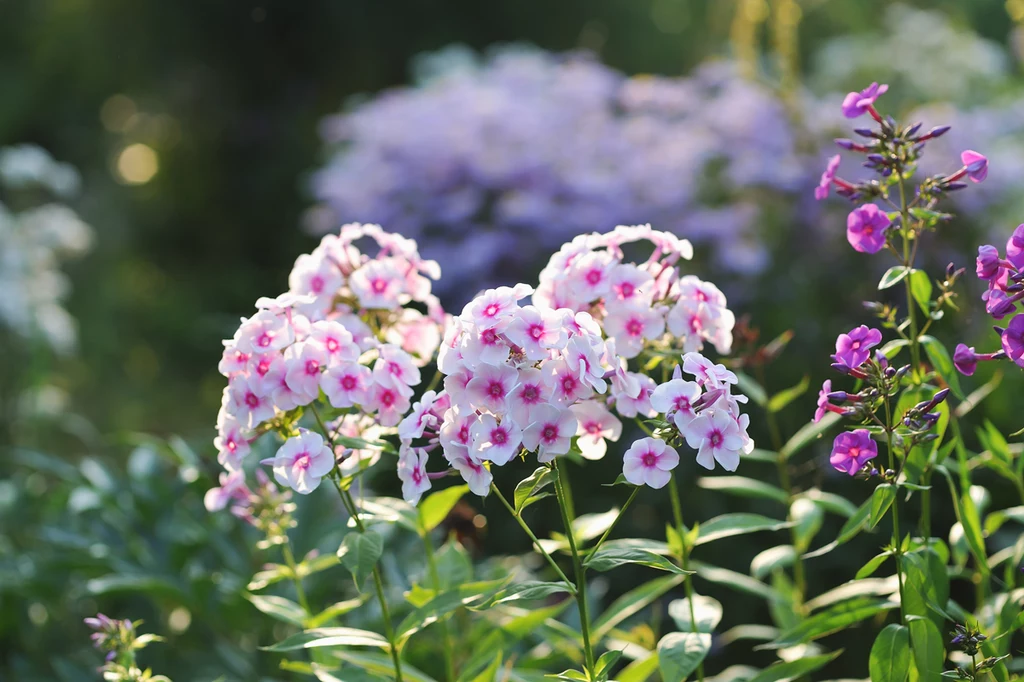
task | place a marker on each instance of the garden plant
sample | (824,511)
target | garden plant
(620,351)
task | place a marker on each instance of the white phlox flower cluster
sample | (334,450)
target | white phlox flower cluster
(636,304)
(342,335)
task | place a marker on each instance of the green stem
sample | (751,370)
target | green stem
(378,584)
(684,559)
(593,550)
(897,540)
(565,506)
(908,262)
(435,579)
(293,568)
(536,542)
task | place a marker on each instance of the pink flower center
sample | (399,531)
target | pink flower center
(593,428)
(568,384)
(701,296)
(649,459)
(489,337)
(715,438)
(463,436)
(252,400)
(317,284)
(302,461)
(594,277)
(395,369)
(695,324)
(417,476)
(348,382)
(387,398)
(491,310)
(263,366)
(529,394)
(499,437)
(855,345)
(536,331)
(312,367)
(635,327)
(853,452)
(332,345)
(681,404)
(550,433)
(264,339)
(626,290)
(378,286)
(495,389)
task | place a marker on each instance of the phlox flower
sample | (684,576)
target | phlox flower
(866,227)
(494,308)
(419,418)
(317,276)
(412,472)
(852,450)
(581,355)
(675,399)
(304,362)
(551,432)
(396,369)
(596,424)
(490,387)
(856,104)
(536,331)
(232,487)
(335,340)
(302,461)
(965,359)
(231,444)
(630,286)
(823,404)
(1015,247)
(1013,340)
(416,334)
(854,348)
(708,374)
(250,408)
(484,346)
(568,387)
(265,331)
(454,433)
(631,326)
(531,391)
(989,264)
(640,404)
(821,191)
(495,442)
(717,437)
(473,471)
(649,461)
(389,403)
(266,371)
(346,385)
(975,165)
(233,360)
(378,284)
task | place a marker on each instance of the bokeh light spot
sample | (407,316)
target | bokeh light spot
(137,164)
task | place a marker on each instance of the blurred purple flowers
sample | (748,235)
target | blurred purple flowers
(493,163)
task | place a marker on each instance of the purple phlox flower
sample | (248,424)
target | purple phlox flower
(1015,248)
(854,348)
(827,177)
(1013,340)
(975,165)
(965,359)
(858,103)
(823,403)
(865,228)
(852,450)
(989,264)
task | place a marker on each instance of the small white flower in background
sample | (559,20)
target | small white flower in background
(302,461)
(649,461)
(412,471)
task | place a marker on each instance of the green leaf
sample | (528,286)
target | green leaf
(921,289)
(790,670)
(278,607)
(996,519)
(334,610)
(975,397)
(381,665)
(269,576)
(321,637)
(435,508)
(359,553)
(589,526)
(531,486)
(927,648)
(528,590)
(743,487)
(524,621)
(387,510)
(926,584)
(707,611)
(890,655)
(893,276)
(809,433)
(807,518)
(771,560)
(631,603)
(728,525)
(639,670)
(679,653)
(854,589)
(967,515)
(735,581)
(881,500)
(943,364)
(833,619)
(892,349)
(442,605)
(608,558)
(994,443)
(749,387)
(604,665)
(778,401)
(143,584)
(868,569)
(830,502)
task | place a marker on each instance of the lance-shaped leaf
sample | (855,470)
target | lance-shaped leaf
(890,655)
(727,525)
(321,637)
(359,553)
(679,653)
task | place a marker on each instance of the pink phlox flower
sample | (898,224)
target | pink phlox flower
(395,368)
(854,348)
(495,442)
(305,362)
(249,407)
(823,404)
(536,331)
(852,450)
(454,435)
(266,371)
(1015,247)
(482,346)
(378,285)
(675,399)
(596,425)
(965,359)
(419,419)
(707,373)
(568,387)
(283,397)
(638,405)
(590,275)
(412,472)
(389,403)
(581,355)
(821,191)
(232,487)
(263,332)
(231,443)
(649,461)
(632,326)
(717,437)
(856,104)
(302,461)
(473,471)
(233,360)
(315,275)
(494,308)
(531,391)
(449,353)
(551,432)
(346,385)
(1013,340)
(866,227)
(284,303)
(975,165)
(490,388)
(335,340)
(416,334)
(630,286)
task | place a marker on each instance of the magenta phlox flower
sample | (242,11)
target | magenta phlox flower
(975,165)
(649,461)
(1013,340)
(821,191)
(857,104)
(852,450)
(866,228)
(854,348)
(302,462)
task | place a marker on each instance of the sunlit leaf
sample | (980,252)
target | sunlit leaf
(890,655)
(679,653)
